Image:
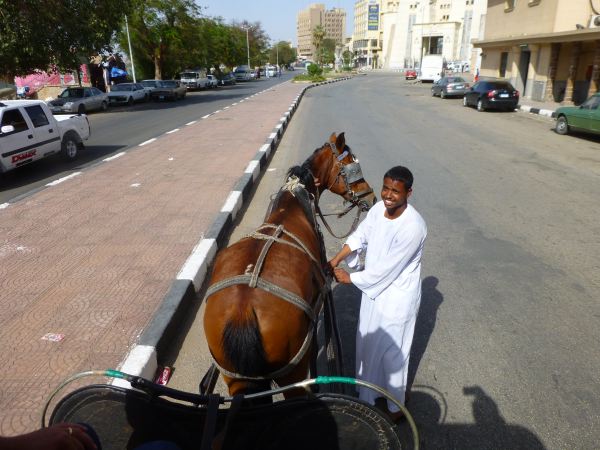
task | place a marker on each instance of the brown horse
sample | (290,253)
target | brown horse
(267,289)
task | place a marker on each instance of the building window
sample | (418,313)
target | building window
(503,62)
(509,5)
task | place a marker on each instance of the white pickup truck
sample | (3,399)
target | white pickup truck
(29,131)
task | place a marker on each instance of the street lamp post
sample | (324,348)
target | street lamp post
(130,52)
(248,45)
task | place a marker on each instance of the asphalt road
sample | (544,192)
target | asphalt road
(125,127)
(505,352)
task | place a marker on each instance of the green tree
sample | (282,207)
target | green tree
(327,52)
(318,35)
(55,34)
(283,52)
(347,57)
(165,35)
(258,43)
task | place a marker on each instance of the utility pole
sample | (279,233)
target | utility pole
(248,45)
(130,52)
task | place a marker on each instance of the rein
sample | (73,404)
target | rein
(339,215)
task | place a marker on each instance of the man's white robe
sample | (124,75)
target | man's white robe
(391,294)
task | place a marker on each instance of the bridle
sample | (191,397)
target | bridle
(351,174)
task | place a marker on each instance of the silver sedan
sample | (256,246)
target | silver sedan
(450,86)
(79,100)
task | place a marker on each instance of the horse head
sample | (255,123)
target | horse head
(338,171)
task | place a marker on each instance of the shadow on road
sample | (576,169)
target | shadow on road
(490,431)
(431,299)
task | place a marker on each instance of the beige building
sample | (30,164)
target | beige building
(366,44)
(333,22)
(414,28)
(549,49)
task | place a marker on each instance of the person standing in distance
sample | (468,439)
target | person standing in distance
(393,235)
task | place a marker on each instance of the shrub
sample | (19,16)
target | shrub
(314,70)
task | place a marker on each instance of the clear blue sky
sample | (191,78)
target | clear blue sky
(277,17)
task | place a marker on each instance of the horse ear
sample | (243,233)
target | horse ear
(333,138)
(341,141)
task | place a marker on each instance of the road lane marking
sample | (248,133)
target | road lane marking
(110,158)
(172,131)
(192,122)
(60,180)
(147,142)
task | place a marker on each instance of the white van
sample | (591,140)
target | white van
(432,68)
(242,73)
(271,71)
(194,79)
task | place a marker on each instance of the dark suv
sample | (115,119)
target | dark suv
(488,94)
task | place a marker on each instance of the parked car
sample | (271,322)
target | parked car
(29,131)
(79,100)
(150,85)
(194,79)
(169,90)
(271,71)
(227,79)
(212,81)
(585,117)
(450,87)
(243,73)
(127,93)
(488,94)
(410,74)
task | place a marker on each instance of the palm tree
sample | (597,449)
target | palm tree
(318,35)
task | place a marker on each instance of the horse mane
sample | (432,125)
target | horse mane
(304,175)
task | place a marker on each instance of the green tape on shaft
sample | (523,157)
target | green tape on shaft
(115,374)
(329,380)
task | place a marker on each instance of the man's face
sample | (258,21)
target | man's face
(394,194)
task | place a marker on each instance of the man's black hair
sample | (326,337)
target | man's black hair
(400,173)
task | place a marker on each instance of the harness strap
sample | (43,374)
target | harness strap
(267,286)
(210,425)
(294,361)
(277,373)
(263,255)
(297,243)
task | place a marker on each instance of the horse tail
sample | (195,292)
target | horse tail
(243,346)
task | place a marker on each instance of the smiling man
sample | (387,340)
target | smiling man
(393,235)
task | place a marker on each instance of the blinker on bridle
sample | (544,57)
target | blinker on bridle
(351,173)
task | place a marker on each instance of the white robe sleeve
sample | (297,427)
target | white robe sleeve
(358,242)
(380,274)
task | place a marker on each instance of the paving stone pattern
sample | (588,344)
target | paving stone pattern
(90,259)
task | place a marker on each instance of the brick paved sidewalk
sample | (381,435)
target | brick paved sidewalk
(89,260)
